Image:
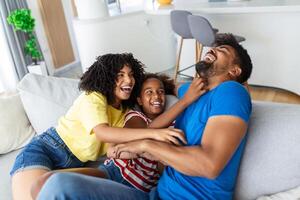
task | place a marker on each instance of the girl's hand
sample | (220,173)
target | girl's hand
(169,135)
(196,89)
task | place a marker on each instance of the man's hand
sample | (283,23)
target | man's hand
(196,89)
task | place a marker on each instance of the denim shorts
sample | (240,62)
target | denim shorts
(113,173)
(46,151)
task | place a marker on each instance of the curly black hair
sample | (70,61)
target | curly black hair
(243,58)
(168,82)
(101,76)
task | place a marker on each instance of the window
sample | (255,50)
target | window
(8,77)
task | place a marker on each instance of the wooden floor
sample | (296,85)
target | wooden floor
(273,94)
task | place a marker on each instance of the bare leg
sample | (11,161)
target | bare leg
(22,181)
(38,184)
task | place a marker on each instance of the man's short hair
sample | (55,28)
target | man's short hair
(243,58)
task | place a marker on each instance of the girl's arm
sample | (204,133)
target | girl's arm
(196,89)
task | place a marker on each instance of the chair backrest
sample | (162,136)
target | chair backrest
(201,30)
(179,23)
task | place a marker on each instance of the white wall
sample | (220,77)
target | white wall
(273,43)
(272,40)
(148,37)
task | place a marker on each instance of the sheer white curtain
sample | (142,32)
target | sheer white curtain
(8,75)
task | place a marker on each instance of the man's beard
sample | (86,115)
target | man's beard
(207,70)
(204,70)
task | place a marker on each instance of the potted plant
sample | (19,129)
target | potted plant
(22,20)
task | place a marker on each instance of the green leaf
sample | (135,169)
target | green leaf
(21,20)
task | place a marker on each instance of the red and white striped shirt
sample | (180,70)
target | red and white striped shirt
(141,173)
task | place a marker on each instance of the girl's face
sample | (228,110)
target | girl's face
(124,85)
(152,98)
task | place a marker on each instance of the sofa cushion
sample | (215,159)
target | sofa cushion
(45,99)
(15,128)
(7,161)
(271,159)
(286,195)
(170,100)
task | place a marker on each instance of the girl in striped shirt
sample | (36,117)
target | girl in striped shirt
(143,171)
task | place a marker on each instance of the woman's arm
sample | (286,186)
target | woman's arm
(133,122)
(196,89)
(109,134)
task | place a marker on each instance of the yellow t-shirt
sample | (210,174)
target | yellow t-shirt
(76,127)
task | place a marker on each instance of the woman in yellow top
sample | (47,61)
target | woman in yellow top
(110,87)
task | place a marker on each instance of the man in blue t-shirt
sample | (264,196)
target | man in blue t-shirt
(215,127)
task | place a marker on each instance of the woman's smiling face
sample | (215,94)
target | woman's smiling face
(124,85)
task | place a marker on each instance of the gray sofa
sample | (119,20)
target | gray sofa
(271,162)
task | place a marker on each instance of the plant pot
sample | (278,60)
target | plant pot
(40,68)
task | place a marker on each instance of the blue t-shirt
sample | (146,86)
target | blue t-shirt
(229,98)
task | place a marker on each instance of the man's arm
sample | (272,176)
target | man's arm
(221,138)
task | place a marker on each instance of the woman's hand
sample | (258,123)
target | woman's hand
(169,135)
(135,147)
(112,153)
(196,89)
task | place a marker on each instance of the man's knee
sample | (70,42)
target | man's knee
(37,185)
(58,186)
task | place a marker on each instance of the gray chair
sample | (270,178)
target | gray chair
(202,31)
(180,25)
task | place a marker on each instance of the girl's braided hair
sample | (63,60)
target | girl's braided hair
(101,76)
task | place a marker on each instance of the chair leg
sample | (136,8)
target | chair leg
(196,50)
(178,60)
(199,49)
